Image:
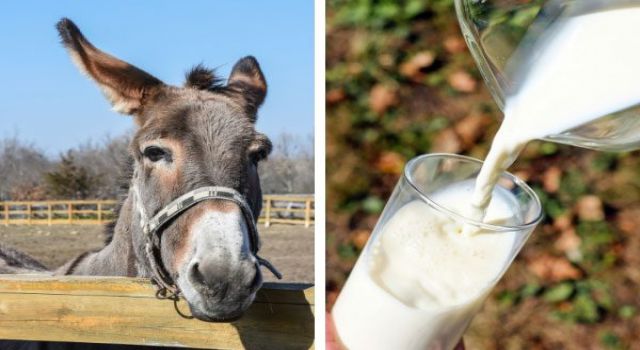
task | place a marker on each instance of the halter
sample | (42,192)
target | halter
(167,288)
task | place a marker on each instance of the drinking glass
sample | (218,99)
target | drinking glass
(502,37)
(367,316)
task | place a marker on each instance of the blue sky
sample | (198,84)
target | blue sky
(44,99)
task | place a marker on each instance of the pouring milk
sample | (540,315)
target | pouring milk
(589,67)
(419,285)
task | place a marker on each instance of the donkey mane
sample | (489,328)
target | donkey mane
(203,78)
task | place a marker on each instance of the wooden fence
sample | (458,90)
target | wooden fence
(286,209)
(120,310)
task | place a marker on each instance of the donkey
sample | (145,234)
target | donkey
(188,218)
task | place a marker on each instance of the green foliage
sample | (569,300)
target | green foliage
(70,180)
(347,251)
(627,311)
(604,161)
(573,185)
(373,205)
(378,14)
(597,237)
(585,301)
(548,148)
(559,292)
(610,340)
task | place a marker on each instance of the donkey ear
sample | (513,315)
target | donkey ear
(260,147)
(126,86)
(247,78)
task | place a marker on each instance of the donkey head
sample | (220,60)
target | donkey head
(201,134)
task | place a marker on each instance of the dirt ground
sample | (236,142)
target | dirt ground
(288,247)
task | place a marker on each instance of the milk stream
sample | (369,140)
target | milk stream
(417,285)
(588,67)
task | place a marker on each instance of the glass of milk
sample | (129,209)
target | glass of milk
(423,274)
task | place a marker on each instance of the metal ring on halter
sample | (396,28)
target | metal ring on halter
(167,287)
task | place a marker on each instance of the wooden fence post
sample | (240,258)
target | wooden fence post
(29,213)
(99,212)
(49,214)
(307,213)
(69,212)
(267,215)
(6,213)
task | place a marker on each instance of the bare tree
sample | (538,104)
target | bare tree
(105,161)
(22,166)
(289,168)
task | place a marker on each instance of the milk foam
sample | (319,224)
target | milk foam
(419,282)
(586,68)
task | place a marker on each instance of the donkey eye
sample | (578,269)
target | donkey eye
(154,153)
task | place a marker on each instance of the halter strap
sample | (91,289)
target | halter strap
(175,208)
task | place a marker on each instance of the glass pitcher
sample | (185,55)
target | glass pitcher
(502,37)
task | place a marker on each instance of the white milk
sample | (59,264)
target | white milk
(419,283)
(587,67)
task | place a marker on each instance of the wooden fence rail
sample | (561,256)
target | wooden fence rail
(120,310)
(287,209)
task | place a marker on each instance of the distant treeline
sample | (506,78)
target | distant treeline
(96,170)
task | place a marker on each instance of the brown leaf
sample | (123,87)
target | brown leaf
(471,128)
(386,60)
(551,179)
(413,67)
(563,222)
(390,163)
(462,81)
(359,238)
(629,221)
(354,68)
(553,269)
(569,243)
(590,208)
(446,141)
(382,97)
(454,44)
(335,95)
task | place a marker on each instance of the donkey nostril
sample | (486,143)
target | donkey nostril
(209,273)
(196,275)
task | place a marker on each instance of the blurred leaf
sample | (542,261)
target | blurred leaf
(573,184)
(387,10)
(548,148)
(585,308)
(627,311)
(553,208)
(558,292)
(373,205)
(604,161)
(506,298)
(414,7)
(347,251)
(611,340)
(530,290)
(437,124)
